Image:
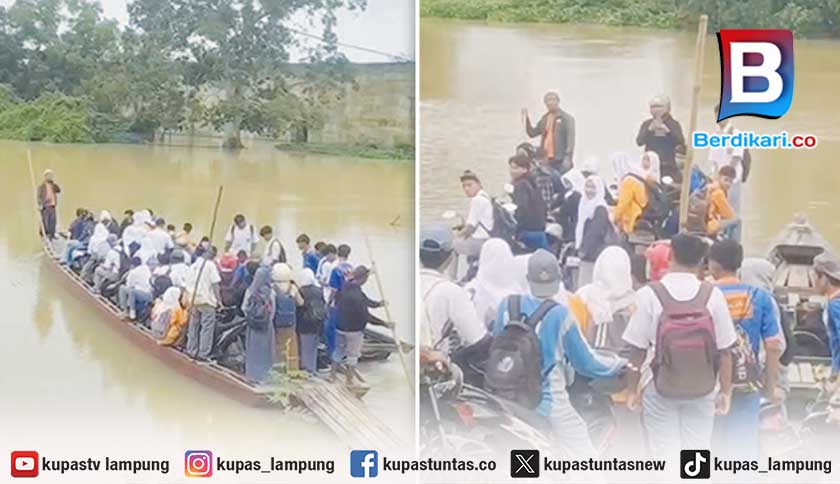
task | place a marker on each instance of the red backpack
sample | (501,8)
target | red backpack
(686,361)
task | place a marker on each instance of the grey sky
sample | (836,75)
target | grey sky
(386,25)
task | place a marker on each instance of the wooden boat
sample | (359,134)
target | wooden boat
(219,378)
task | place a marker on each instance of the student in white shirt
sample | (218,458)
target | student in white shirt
(479,221)
(137,288)
(159,238)
(443,301)
(274,251)
(679,423)
(203,287)
(325,267)
(240,236)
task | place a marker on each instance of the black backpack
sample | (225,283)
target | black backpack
(504,225)
(658,207)
(258,310)
(315,308)
(514,364)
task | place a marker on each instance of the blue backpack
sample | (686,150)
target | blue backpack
(285,311)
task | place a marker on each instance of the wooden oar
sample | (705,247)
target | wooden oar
(38,215)
(388,314)
(699,56)
(212,229)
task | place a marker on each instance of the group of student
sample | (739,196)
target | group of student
(699,332)
(179,288)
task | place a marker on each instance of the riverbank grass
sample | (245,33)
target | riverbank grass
(374,152)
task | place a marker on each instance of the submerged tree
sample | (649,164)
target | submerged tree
(238,52)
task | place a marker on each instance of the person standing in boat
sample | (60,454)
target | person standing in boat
(258,307)
(308,255)
(204,291)
(729,156)
(556,129)
(335,283)
(272,250)
(48,192)
(325,267)
(827,284)
(663,135)
(310,320)
(353,315)
(287,301)
(240,236)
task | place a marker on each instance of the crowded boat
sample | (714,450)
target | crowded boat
(580,291)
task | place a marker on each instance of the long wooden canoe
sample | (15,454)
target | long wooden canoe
(212,375)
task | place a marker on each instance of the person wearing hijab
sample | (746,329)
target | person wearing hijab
(167,311)
(109,269)
(97,247)
(556,129)
(494,280)
(650,165)
(260,346)
(632,197)
(353,316)
(287,300)
(573,183)
(594,230)
(136,232)
(663,135)
(310,319)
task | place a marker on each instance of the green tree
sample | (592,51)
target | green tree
(234,49)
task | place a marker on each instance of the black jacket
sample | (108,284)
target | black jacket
(312,295)
(530,206)
(564,134)
(666,146)
(352,308)
(598,233)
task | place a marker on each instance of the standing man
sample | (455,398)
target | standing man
(556,129)
(663,135)
(310,255)
(729,156)
(479,222)
(203,288)
(241,236)
(679,405)
(274,251)
(337,278)
(48,203)
(756,324)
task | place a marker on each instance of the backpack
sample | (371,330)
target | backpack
(315,308)
(285,311)
(685,362)
(545,185)
(746,371)
(698,212)
(514,363)
(160,284)
(258,310)
(658,207)
(504,225)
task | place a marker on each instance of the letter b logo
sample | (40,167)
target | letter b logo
(756,73)
(695,464)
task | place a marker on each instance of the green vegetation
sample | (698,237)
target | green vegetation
(804,17)
(399,152)
(69,75)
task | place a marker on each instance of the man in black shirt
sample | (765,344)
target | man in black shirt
(530,207)
(556,129)
(663,135)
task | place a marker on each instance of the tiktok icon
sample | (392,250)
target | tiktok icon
(695,464)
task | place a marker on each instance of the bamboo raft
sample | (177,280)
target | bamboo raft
(333,403)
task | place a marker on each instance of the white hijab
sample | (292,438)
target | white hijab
(654,170)
(137,230)
(622,164)
(170,299)
(495,279)
(305,278)
(574,181)
(99,237)
(611,289)
(587,206)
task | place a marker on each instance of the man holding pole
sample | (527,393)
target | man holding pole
(47,203)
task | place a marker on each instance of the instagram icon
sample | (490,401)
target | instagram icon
(198,463)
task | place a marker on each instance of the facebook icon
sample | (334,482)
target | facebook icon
(364,463)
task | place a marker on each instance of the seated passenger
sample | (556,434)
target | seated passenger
(721,216)
(78,236)
(109,269)
(159,238)
(137,288)
(632,198)
(184,239)
(179,271)
(167,312)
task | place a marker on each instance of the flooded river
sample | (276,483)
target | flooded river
(72,386)
(475,78)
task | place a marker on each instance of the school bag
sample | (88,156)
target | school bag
(315,308)
(685,362)
(545,185)
(285,311)
(698,212)
(161,283)
(258,310)
(746,371)
(504,225)
(514,363)
(658,207)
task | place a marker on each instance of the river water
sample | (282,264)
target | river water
(71,387)
(476,77)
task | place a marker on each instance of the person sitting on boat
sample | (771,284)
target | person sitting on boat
(258,305)
(203,246)
(167,311)
(548,180)
(184,238)
(179,271)
(137,289)
(530,208)
(479,222)
(98,246)
(109,269)
(663,135)
(204,291)
(729,156)
(159,238)
(594,230)
(567,214)
(128,219)
(721,218)
(632,195)
(556,129)
(353,315)
(75,234)
(138,229)
(499,275)
(827,284)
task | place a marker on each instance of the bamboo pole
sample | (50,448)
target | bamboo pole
(699,55)
(388,315)
(210,236)
(38,214)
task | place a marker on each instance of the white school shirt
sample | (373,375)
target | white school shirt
(160,240)
(241,239)
(641,330)
(139,278)
(209,276)
(443,301)
(480,215)
(112,261)
(179,274)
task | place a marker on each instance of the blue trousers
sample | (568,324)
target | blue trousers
(533,239)
(737,433)
(330,331)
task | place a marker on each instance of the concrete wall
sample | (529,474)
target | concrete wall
(378,109)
